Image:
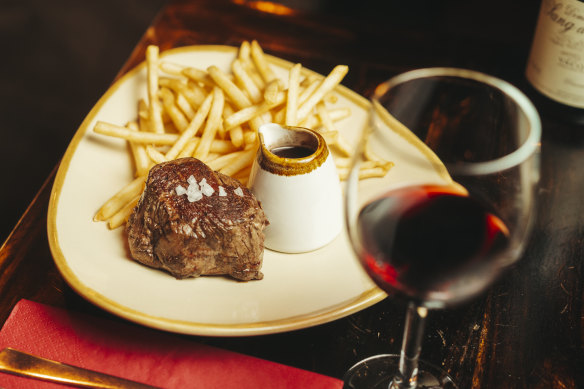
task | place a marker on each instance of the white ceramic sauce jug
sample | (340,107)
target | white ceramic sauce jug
(295,178)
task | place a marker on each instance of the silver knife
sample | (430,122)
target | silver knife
(26,365)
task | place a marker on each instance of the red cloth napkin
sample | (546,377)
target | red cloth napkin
(139,354)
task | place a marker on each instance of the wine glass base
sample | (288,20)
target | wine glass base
(377,372)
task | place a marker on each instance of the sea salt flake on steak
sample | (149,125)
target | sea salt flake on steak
(215,235)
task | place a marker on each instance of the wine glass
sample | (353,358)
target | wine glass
(440,241)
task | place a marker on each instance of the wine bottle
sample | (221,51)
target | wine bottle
(555,67)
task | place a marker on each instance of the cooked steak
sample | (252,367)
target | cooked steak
(192,221)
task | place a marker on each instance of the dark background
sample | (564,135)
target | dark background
(57,58)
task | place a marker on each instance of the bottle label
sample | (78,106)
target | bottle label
(556,62)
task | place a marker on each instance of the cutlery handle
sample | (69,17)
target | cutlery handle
(26,365)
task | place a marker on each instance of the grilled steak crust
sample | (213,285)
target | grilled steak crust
(215,235)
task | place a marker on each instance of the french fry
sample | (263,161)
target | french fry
(329,126)
(257,55)
(104,128)
(233,92)
(325,86)
(116,131)
(292,95)
(243,175)
(176,115)
(222,146)
(189,148)
(225,160)
(241,163)
(244,51)
(218,147)
(250,113)
(154,108)
(236,132)
(273,96)
(236,136)
(308,87)
(155,155)
(372,172)
(212,157)
(250,137)
(312,121)
(338,114)
(371,155)
(183,104)
(171,68)
(120,199)
(121,216)
(180,89)
(213,123)
(143,115)
(193,93)
(198,76)
(325,119)
(246,82)
(244,55)
(192,128)
(272,91)
(141,160)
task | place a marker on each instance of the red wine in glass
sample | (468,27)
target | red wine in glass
(433,244)
(437,246)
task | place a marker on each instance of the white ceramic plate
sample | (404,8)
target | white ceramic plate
(297,291)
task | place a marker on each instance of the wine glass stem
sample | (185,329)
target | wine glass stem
(411,347)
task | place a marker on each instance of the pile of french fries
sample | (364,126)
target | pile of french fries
(214,116)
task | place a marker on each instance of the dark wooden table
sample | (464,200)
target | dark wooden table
(527,331)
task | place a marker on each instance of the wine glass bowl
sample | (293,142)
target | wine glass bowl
(440,243)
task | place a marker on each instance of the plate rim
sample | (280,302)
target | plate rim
(342,309)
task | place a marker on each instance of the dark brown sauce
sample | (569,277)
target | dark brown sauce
(292,151)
